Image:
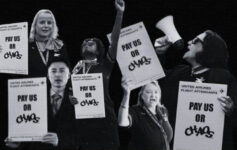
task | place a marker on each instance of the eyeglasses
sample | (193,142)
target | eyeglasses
(196,40)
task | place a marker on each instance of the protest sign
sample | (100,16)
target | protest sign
(14,48)
(136,56)
(199,118)
(89,90)
(27,109)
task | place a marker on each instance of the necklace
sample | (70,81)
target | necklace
(86,69)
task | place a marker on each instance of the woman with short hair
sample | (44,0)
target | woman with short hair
(44,44)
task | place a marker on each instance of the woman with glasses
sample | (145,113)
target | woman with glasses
(207,58)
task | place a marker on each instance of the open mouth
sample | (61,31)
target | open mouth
(153,100)
(58,80)
(45,31)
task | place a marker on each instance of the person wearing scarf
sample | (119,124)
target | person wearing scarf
(44,44)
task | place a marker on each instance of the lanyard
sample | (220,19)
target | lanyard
(86,70)
(154,118)
(84,65)
(199,70)
(45,61)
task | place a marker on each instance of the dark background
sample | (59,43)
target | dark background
(80,19)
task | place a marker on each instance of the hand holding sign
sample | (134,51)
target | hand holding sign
(136,56)
(73,99)
(51,138)
(125,85)
(226,103)
(200,119)
(27,99)
(11,144)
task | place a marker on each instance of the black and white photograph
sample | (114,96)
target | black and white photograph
(118,75)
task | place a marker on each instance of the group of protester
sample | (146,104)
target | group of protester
(147,122)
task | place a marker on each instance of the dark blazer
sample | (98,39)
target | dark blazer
(170,84)
(36,66)
(63,123)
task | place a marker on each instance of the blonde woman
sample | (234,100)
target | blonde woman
(44,43)
(147,121)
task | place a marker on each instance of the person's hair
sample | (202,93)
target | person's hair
(54,34)
(58,59)
(215,52)
(140,100)
(99,45)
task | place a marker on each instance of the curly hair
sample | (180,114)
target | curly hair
(215,52)
(100,48)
